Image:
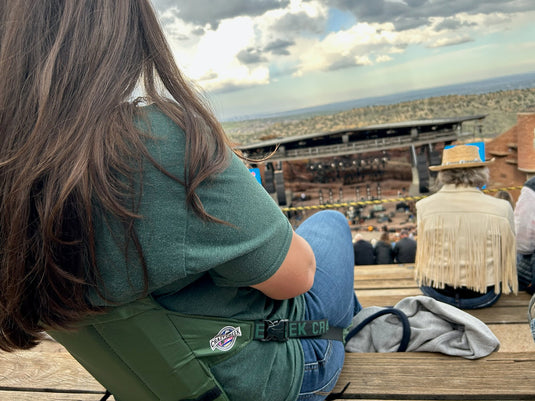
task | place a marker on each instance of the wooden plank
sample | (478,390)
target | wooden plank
(521,299)
(49,345)
(409,266)
(393,376)
(385,297)
(494,315)
(383,271)
(386,283)
(514,338)
(49,396)
(26,370)
(382,287)
(384,277)
(501,314)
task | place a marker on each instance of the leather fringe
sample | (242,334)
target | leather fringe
(443,256)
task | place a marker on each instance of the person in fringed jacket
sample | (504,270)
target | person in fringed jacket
(466,239)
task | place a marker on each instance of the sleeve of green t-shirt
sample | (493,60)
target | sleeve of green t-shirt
(252,246)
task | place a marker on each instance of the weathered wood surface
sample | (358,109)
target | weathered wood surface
(500,376)
(507,318)
(44,370)
(49,373)
(508,374)
(48,396)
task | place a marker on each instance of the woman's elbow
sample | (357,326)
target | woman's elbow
(308,281)
(286,286)
(296,274)
(301,284)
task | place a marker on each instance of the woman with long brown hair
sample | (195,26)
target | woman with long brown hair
(106,200)
(68,138)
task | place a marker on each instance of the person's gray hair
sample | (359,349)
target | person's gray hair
(357,237)
(471,177)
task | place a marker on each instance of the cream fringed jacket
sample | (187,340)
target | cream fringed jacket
(466,238)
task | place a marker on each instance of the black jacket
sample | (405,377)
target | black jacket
(383,253)
(405,250)
(364,254)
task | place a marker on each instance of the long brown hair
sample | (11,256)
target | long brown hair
(68,142)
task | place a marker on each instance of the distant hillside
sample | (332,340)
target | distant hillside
(501,108)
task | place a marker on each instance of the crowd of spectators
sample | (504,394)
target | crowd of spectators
(389,248)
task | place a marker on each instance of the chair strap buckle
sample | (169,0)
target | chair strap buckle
(276,330)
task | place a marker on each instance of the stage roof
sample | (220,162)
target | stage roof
(361,139)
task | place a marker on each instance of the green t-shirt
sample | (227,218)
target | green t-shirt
(202,268)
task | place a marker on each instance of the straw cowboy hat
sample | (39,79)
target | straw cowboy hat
(461,156)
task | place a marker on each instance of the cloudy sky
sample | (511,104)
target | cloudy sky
(265,56)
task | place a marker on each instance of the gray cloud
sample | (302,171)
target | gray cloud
(198,31)
(343,62)
(415,13)
(408,13)
(415,3)
(451,42)
(410,22)
(255,55)
(228,87)
(279,47)
(452,24)
(210,75)
(210,12)
(371,11)
(250,56)
(300,22)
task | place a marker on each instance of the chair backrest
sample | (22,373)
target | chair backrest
(144,352)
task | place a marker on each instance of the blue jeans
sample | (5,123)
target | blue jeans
(485,300)
(331,297)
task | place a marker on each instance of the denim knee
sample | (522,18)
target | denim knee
(336,216)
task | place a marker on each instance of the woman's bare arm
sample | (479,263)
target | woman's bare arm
(296,274)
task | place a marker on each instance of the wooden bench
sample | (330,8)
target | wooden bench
(48,372)
(508,374)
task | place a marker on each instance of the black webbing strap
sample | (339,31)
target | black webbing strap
(284,329)
(210,395)
(406,336)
